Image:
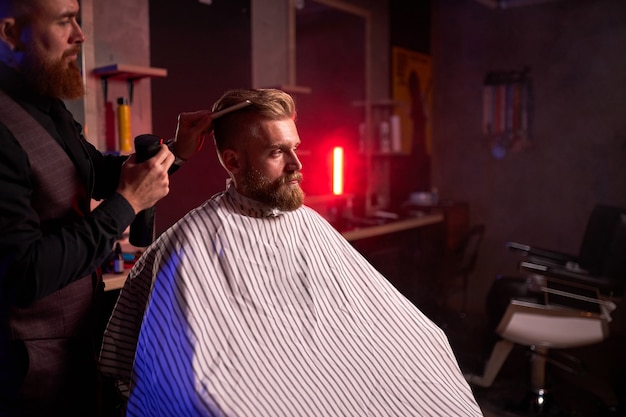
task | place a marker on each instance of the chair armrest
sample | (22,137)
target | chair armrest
(543,256)
(604,285)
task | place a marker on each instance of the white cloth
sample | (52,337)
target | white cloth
(238,310)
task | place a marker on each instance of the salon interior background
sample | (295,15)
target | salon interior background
(542,194)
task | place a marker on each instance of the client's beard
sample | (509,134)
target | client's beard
(54,78)
(275,193)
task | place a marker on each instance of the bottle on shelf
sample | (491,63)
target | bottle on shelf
(123,126)
(118,260)
(385,138)
(435,196)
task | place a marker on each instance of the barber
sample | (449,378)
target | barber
(51,242)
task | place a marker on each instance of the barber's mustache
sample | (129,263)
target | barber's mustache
(292,177)
(75,50)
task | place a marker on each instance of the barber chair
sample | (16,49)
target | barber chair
(563,301)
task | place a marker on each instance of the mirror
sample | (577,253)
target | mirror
(331,60)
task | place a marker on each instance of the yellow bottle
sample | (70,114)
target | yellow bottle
(123,126)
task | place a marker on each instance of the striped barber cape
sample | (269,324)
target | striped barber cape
(240,310)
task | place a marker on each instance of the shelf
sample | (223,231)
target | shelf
(291,88)
(376,154)
(295,89)
(379,103)
(390,153)
(130,73)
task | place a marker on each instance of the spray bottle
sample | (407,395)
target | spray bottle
(123,126)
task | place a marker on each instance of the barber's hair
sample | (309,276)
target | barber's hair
(267,104)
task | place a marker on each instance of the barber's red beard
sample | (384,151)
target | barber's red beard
(277,193)
(56,78)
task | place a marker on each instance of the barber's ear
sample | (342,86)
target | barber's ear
(230,158)
(10,33)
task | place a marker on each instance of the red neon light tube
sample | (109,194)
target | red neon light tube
(338,170)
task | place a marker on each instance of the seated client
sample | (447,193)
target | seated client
(253,305)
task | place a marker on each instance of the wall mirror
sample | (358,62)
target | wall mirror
(331,59)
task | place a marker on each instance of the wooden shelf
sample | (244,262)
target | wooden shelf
(130,73)
(390,153)
(124,71)
(295,89)
(379,103)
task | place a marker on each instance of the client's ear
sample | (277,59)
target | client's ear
(230,159)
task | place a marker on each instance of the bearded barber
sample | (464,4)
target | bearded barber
(51,243)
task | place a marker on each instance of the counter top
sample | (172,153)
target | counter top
(393,226)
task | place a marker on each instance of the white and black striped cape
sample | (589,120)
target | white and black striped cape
(237,310)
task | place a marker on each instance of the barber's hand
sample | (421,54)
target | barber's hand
(142,185)
(192,130)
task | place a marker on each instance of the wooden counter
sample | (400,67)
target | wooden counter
(394,226)
(116,281)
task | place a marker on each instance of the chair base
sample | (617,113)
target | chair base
(535,404)
(539,402)
(535,398)
(498,356)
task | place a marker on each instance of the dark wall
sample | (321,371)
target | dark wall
(409,23)
(206,50)
(541,195)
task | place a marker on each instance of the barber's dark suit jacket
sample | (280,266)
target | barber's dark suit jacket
(48,284)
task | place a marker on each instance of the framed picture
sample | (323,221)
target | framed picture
(412,94)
